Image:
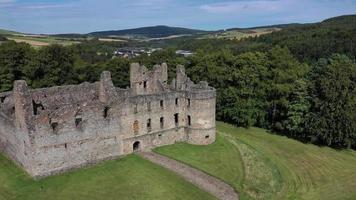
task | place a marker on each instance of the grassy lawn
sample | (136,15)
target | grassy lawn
(264,166)
(128,178)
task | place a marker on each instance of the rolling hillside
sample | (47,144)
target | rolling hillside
(261,165)
(7,32)
(148,32)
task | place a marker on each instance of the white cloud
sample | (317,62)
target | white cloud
(7,1)
(143,3)
(46,6)
(246,6)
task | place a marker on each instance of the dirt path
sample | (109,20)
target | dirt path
(202,180)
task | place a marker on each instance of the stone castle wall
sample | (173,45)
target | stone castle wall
(54,129)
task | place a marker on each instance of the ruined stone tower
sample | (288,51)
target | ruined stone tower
(51,130)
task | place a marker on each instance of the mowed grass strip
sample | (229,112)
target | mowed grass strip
(260,165)
(128,178)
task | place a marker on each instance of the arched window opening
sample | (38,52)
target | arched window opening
(54,126)
(136,146)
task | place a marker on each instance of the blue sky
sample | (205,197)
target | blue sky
(81,16)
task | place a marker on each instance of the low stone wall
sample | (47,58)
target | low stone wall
(12,143)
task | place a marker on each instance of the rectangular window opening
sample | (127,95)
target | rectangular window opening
(176,101)
(36,107)
(189,120)
(149,106)
(78,122)
(176,119)
(161,104)
(149,128)
(135,109)
(161,122)
(188,102)
(145,84)
(135,127)
(106,112)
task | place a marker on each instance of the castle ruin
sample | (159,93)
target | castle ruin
(51,130)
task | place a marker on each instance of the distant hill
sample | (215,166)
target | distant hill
(310,42)
(281,26)
(345,22)
(8,32)
(70,35)
(148,32)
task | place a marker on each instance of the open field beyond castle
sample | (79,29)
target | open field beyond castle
(259,166)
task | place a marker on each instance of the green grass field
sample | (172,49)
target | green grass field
(42,41)
(239,34)
(264,166)
(128,178)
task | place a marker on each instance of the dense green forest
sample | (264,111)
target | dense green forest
(150,32)
(299,82)
(2,38)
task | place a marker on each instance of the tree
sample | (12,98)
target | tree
(284,73)
(298,107)
(2,38)
(13,58)
(249,78)
(332,91)
(52,65)
(119,68)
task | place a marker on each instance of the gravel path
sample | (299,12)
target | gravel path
(204,181)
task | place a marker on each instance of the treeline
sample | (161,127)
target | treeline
(313,41)
(2,38)
(307,42)
(274,90)
(270,88)
(298,82)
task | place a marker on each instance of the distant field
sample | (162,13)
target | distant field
(40,41)
(111,40)
(264,166)
(128,178)
(239,34)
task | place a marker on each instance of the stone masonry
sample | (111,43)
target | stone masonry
(51,130)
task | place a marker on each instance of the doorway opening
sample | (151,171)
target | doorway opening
(136,146)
